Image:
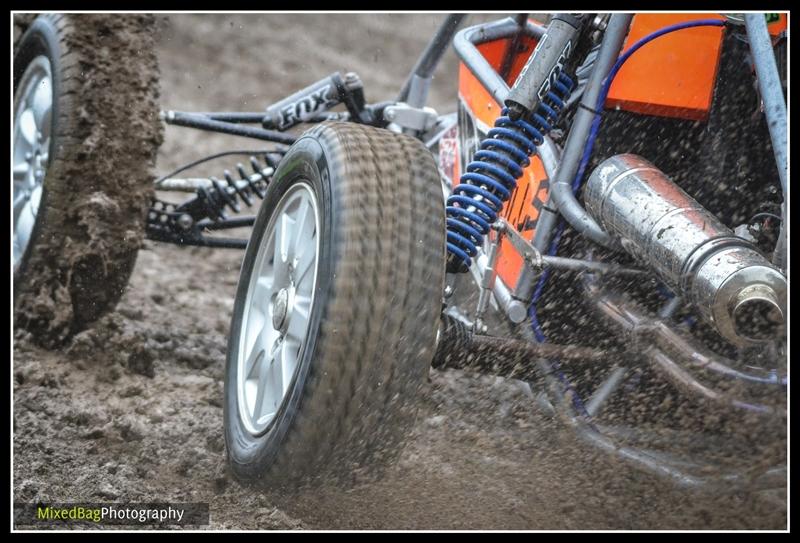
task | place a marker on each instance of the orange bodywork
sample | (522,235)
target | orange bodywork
(672,76)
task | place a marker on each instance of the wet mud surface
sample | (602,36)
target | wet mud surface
(131,409)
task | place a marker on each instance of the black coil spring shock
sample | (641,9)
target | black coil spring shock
(219,196)
(492,176)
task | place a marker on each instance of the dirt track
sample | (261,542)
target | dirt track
(132,409)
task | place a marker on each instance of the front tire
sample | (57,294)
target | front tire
(86,133)
(363,334)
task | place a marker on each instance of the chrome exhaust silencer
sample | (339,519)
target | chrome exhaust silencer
(733,286)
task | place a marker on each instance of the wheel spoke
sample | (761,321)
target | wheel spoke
(289,357)
(21,170)
(298,322)
(262,291)
(270,386)
(24,225)
(261,389)
(21,198)
(42,105)
(280,256)
(27,128)
(304,264)
(17,251)
(36,197)
(255,354)
(300,226)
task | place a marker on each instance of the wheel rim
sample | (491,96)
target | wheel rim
(32,132)
(277,308)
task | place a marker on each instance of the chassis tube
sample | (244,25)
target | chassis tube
(191,120)
(514,309)
(415,88)
(769,83)
(550,155)
(561,191)
(774,109)
(465,41)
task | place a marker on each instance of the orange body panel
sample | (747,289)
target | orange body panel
(672,76)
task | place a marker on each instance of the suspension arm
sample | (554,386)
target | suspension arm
(460,348)
(538,261)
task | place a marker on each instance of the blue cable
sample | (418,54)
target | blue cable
(601,99)
(576,183)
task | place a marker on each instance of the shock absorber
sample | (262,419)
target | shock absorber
(492,176)
(532,108)
(213,200)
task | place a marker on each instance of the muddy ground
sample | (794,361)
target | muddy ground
(131,410)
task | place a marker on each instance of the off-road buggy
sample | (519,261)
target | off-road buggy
(613,185)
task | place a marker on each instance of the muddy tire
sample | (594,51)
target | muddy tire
(379,232)
(104,132)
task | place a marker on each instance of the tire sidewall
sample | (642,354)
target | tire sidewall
(250,455)
(41,38)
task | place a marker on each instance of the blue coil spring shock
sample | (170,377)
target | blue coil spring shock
(492,176)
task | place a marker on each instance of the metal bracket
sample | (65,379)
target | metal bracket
(411,118)
(538,261)
(527,251)
(489,276)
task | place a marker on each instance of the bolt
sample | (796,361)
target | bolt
(448,291)
(352,81)
(185,221)
(600,23)
(499,226)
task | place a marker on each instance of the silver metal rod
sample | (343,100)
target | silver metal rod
(682,379)
(514,309)
(191,184)
(561,190)
(769,83)
(188,184)
(643,459)
(701,358)
(574,264)
(415,88)
(589,433)
(550,155)
(465,41)
(669,308)
(605,390)
(487,280)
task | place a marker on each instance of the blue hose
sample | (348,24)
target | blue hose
(576,183)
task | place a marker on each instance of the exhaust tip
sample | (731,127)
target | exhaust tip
(756,314)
